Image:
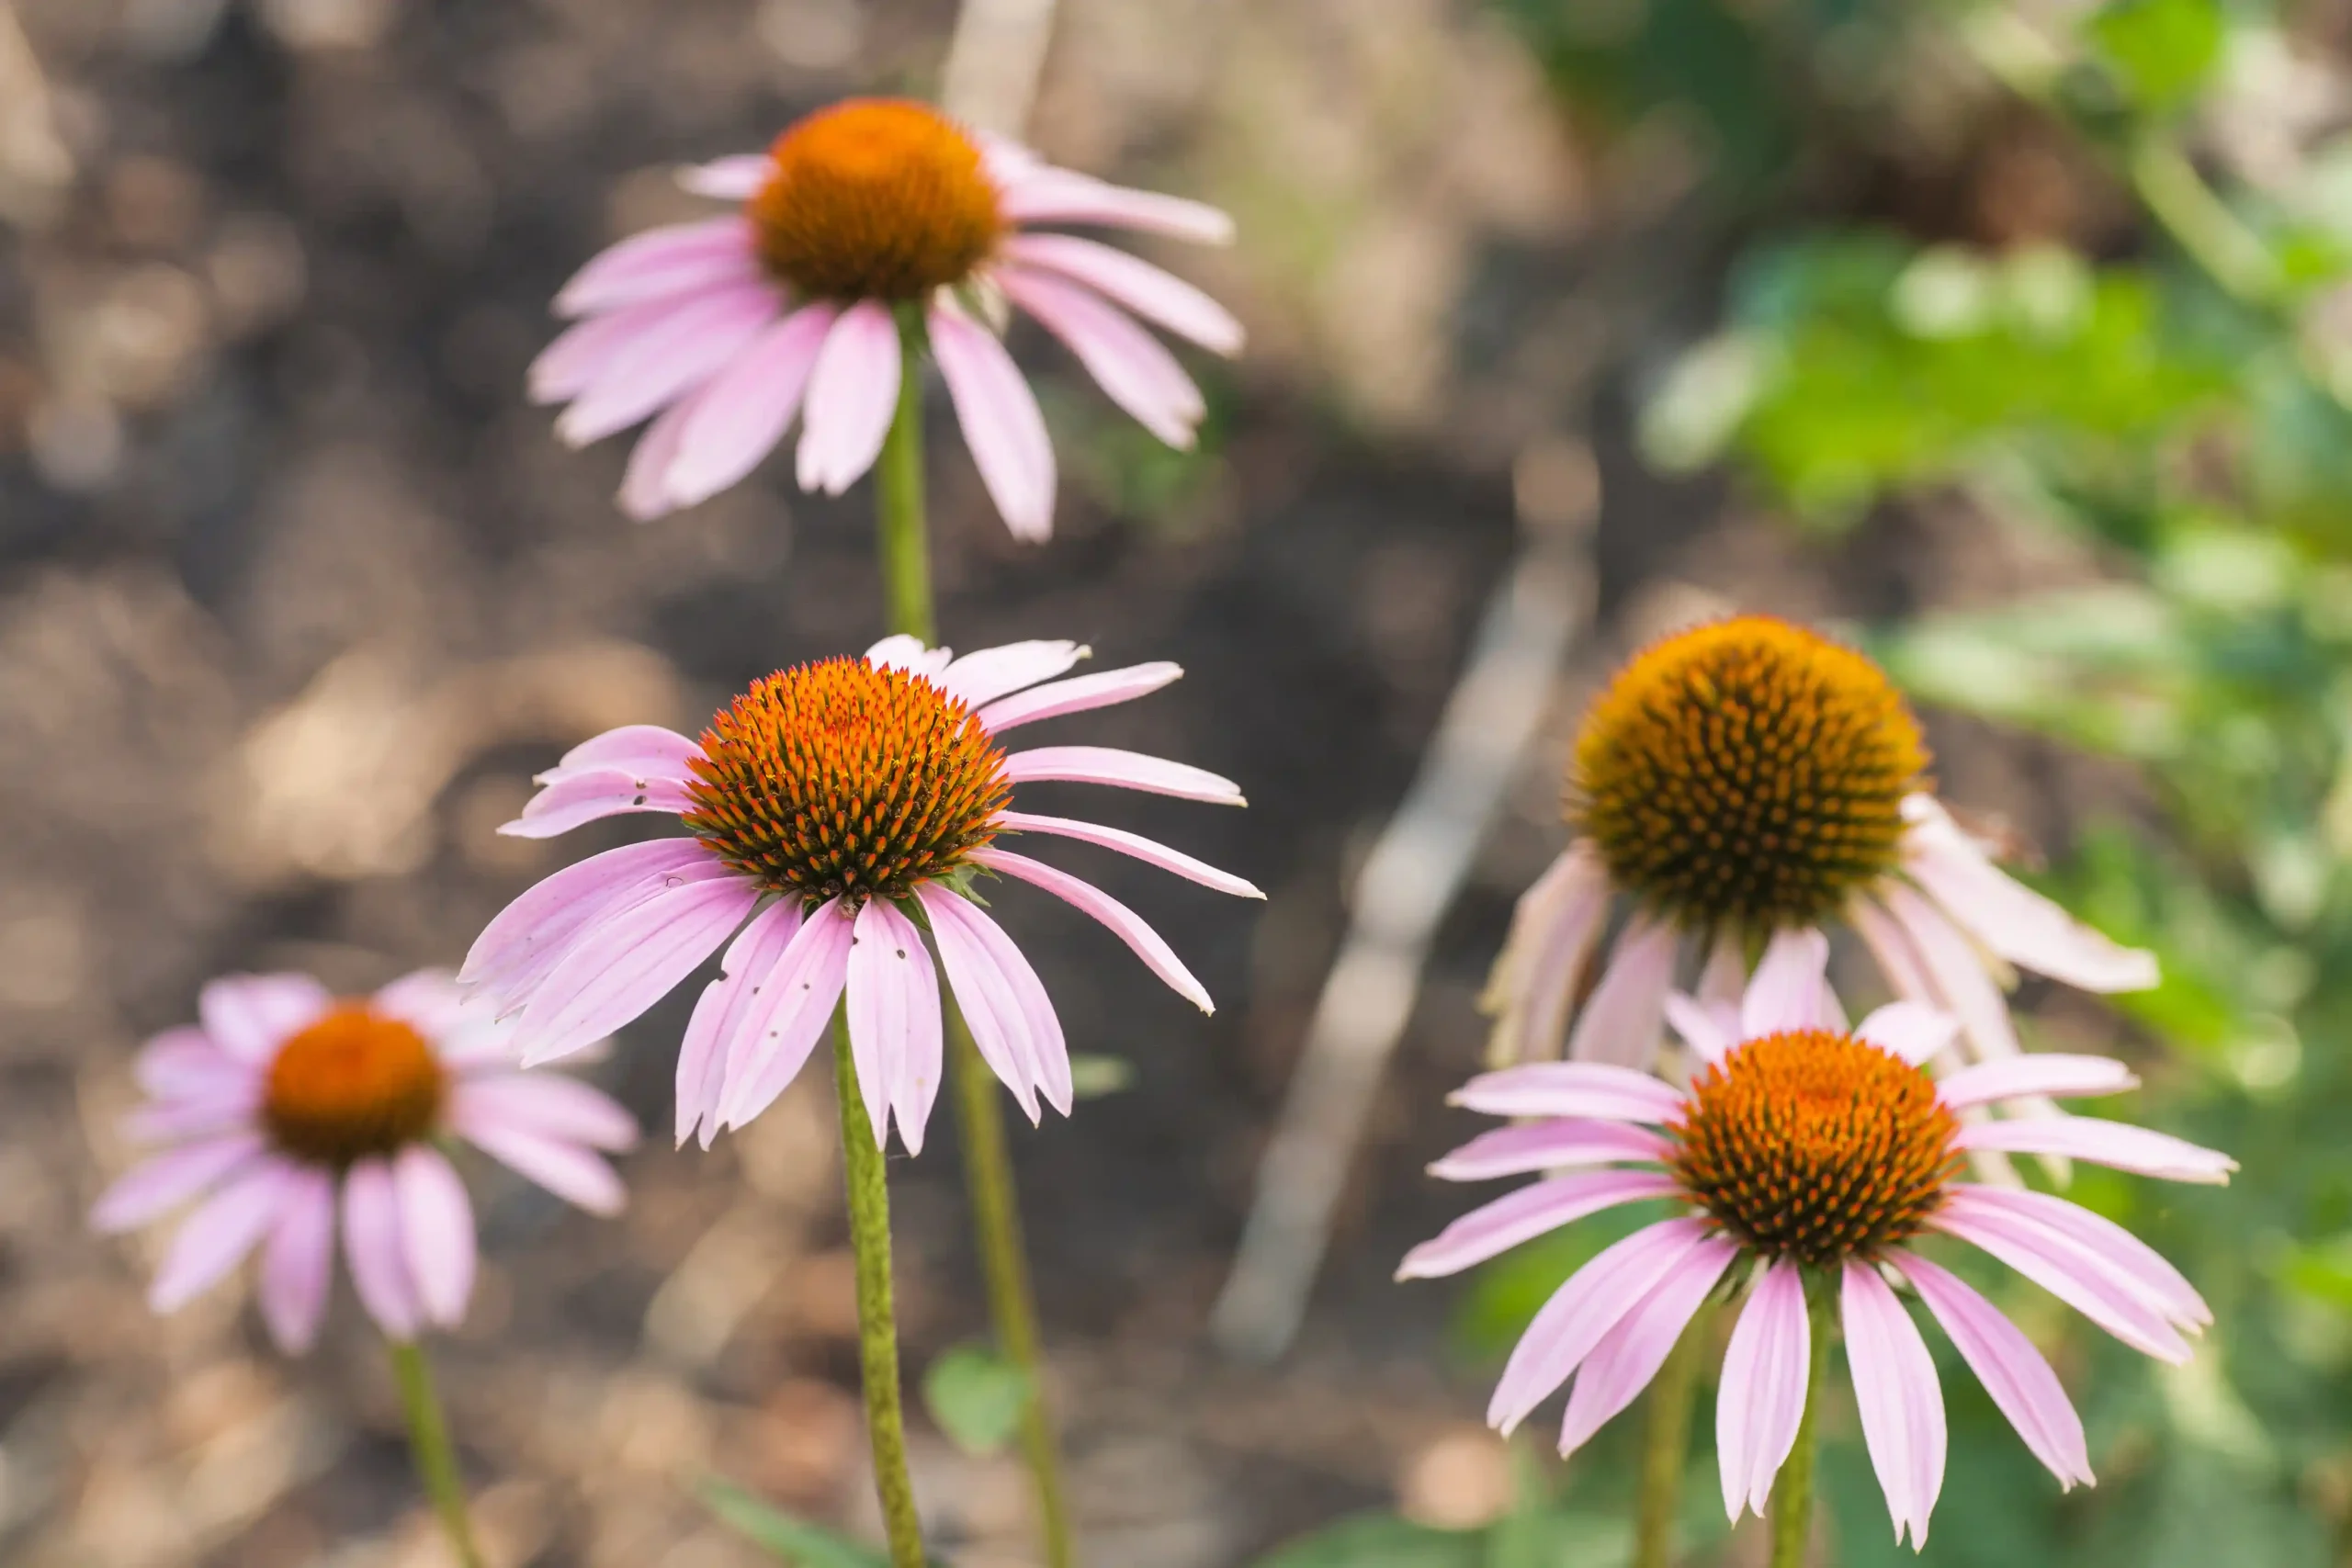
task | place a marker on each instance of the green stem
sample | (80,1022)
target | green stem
(878,1327)
(904,541)
(428,1442)
(2201,223)
(1793,1488)
(1665,1442)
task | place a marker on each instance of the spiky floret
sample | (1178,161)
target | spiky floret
(876,198)
(842,779)
(1815,1146)
(356,1083)
(1746,773)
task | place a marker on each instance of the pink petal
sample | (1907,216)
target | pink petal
(437,1232)
(1901,1403)
(1629,1355)
(662,263)
(726,1006)
(2040,1073)
(739,177)
(1700,1029)
(1723,980)
(656,370)
(1532,1210)
(550,1104)
(2146,1269)
(1621,1019)
(2076,1275)
(852,392)
(1892,949)
(2139,1150)
(1582,1311)
(157,1186)
(1134,283)
(1124,922)
(1762,1397)
(1125,769)
(794,1006)
(911,654)
(1958,974)
(250,1016)
(185,1061)
(743,412)
(1030,1053)
(210,1114)
(1125,361)
(531,934)
(591,795)
(645,491)
(1915,1033)
(1549,1146)
(428,1001)
(1058,195)
(375,1250)
(216,1236)
(1785,993)
(628,964)
(645,749)
(297,1262)
(570,366)
(1553,929)
(2008,917)
(1135,844)
(1003,425)
(1571,1088)
(1078,695)
(2013,1373)
(566,1170)
(981,678)
(894,1022)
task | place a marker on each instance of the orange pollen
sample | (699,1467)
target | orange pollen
(1748,775)
(1816,1145)
(352,1085)
(842,780)
(876,198)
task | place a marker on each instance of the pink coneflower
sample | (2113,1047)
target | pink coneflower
(288,1107)
(872,219)
(844,808)
(1805,1158)
(1748,778)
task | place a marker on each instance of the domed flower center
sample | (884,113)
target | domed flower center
(839,779)
(1816,1145)
(1746,773)
(354,1084)
(876,198)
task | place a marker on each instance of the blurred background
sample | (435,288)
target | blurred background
(2013,339)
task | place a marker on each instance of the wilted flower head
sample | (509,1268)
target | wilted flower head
(291,1111)
(1748,778)
(1804,1157)
(865,220)
(844,809)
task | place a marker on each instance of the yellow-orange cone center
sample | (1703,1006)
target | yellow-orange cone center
(354,1084)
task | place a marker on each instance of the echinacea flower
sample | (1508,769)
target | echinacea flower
(1746,778)
(292,1114)
(843,808)
(1805,1159)
(870,217)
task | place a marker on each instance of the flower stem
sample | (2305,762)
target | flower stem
(428,1442)
(904,541)
(878,1324)
(1793,1488)
(1665,1442)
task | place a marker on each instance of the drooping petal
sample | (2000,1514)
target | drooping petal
(2041,1073)
(2142,1265)
(1892,949)
(2090,1283)
(1958,975)
(538,927)
(2014,1373)
(1003,425)
(186,1061)
(1123,770)
(661,262)
(2008,917)
(992,1009)
(156,1186)
(216,1236)
(768,1048)
(645,493)
(624,965)
(2140,1150)
(1078,695)
(1785,993)
(250,1016)
(979,679)
(852,391)
(1913,1032)
(1706,1037)
(894,1022)
(1901,1403)
(726,1006)
(739,418)
(1549,1146)
(1534,1210)
(214,1113)
(377,1250)
(1032,1031)
(429,1001)
(739,177)
(591,795)
(570,1172)
(655,369)
(1131,281)
(1571,1088)
(570,366)
(436,1233)
(1762,1397)
(1581,1313)
(298,1262)
(1124,922)
(1135,844)
(1629,1355)
(1045,195)
(1553,929)
(1130,365)
(550,1104)
(1621,1019)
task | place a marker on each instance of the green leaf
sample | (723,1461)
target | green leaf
(977,1397)
(1092,1077)
(1381,1541)
(793,1541)
(2164,49)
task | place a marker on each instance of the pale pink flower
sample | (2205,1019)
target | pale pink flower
(1805,1157)
(843,808)
(1747,777)
(865,221)
(288,1112)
